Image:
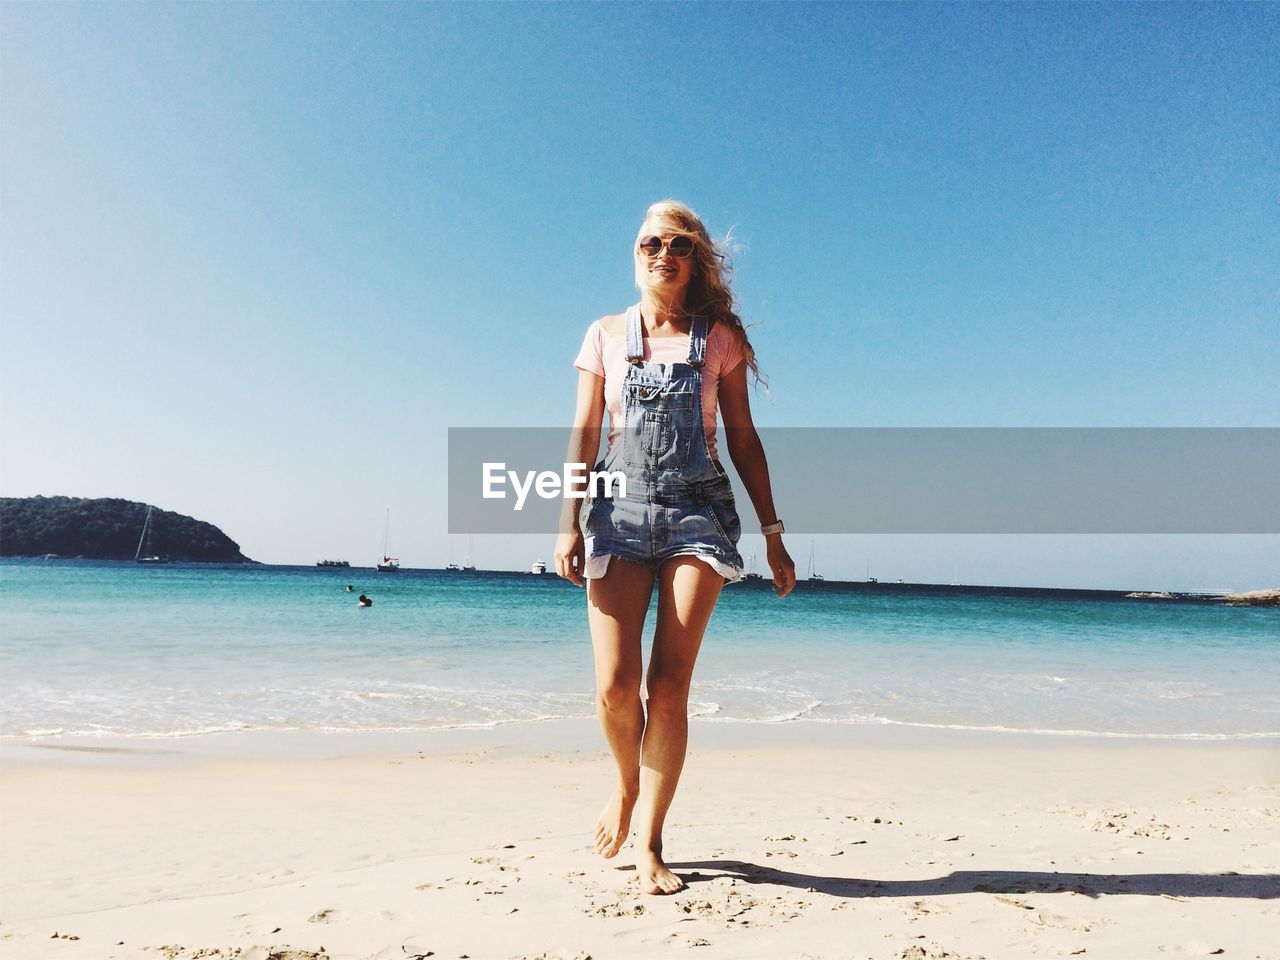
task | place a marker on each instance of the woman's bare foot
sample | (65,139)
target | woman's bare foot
(654,875)
(615,822)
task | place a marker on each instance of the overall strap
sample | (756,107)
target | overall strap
(635,335)
(698,342)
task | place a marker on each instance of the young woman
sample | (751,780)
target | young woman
(660,370)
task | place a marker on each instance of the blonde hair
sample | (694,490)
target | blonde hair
(709,293)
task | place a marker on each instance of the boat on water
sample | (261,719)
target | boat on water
(388,564)
(539,567)
(466,567)
(147,557)
(333,563)
(750,573)
(814,576)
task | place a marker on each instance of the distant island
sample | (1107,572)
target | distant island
(107,529)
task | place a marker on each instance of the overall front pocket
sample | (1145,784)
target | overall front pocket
(659,426)
(656,432)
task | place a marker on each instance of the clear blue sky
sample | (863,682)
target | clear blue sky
(256,259)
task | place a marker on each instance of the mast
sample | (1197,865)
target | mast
(146,535)
(814,575)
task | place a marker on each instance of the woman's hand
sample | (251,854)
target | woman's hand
(570,556)
(781,565)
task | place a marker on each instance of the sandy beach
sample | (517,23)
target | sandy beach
(820,842)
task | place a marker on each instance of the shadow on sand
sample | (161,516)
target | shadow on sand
(1262,886)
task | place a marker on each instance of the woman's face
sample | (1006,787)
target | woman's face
(664,273)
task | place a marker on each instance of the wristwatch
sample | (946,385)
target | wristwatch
(775,527)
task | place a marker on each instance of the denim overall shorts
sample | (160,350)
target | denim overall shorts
(679,502)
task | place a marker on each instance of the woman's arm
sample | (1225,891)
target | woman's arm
(747,453)
(584,443)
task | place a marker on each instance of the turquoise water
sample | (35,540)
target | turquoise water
(124,650)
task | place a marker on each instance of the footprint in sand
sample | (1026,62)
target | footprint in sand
(917,952)
(496,862)
(323,916)
(616,909)
(701,908)
(732,907)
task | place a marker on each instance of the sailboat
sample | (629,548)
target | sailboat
(148,557)
(389,563)
(814,577)
(467,565)
(751,569)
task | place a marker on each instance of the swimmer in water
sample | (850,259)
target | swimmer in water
(364,601)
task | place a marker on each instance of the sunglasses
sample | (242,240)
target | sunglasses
(680,245)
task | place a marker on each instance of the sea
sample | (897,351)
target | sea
(121,650)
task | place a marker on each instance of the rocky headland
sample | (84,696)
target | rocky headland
(108,528)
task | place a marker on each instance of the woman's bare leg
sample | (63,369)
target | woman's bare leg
(616,607)
(687,592)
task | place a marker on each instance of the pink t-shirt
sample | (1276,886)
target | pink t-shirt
(605,355)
